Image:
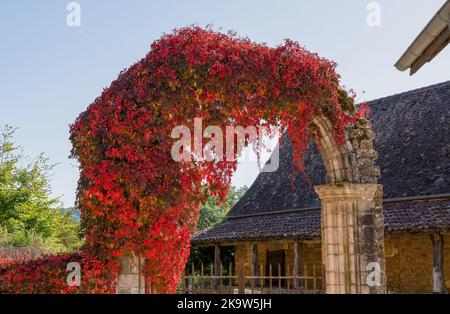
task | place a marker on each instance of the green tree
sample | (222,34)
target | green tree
(28,213)
(212,214)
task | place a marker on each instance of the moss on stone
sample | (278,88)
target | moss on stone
(347,102)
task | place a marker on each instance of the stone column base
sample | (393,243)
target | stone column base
(350,248)
(131,280)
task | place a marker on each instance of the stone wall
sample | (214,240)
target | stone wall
(408,260)
(447,262)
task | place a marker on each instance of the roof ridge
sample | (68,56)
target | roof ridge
(411,92)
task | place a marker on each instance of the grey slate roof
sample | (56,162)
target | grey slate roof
(415,216)
(413,143)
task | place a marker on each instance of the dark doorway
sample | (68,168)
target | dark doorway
(276,259)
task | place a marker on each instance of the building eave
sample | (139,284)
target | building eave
(431,40)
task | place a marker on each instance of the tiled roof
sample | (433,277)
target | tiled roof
(419,216)
(410,216)
(413,143)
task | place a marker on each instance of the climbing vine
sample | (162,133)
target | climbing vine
(49,274)
(133,196)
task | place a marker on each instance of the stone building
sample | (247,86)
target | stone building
(278,221)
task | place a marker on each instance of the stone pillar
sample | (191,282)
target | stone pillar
(131,280)
(352,248)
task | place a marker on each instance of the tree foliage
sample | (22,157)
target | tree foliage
(213,212)
(29,215)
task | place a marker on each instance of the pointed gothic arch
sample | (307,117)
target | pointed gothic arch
(136,201)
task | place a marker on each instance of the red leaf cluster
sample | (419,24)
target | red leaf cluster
(133,196)
(48,274)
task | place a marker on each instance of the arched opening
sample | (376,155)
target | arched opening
(137,201)
(351,211)
(352,222)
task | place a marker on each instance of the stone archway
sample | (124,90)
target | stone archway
(351,216)
(351,211)
(136,199)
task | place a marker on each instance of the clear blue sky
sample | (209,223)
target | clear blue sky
(51,72)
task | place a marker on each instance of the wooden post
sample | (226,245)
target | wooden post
(254,264)
(270,278)
(185,281)
(297,263)
(305,274)
(211,269)
(193,277)
(216,264)
(202,275)
(220,279)
(230,278)
(314,277)
(438,282)
(288,280)
(241,277)
(279,278)
(261,273)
